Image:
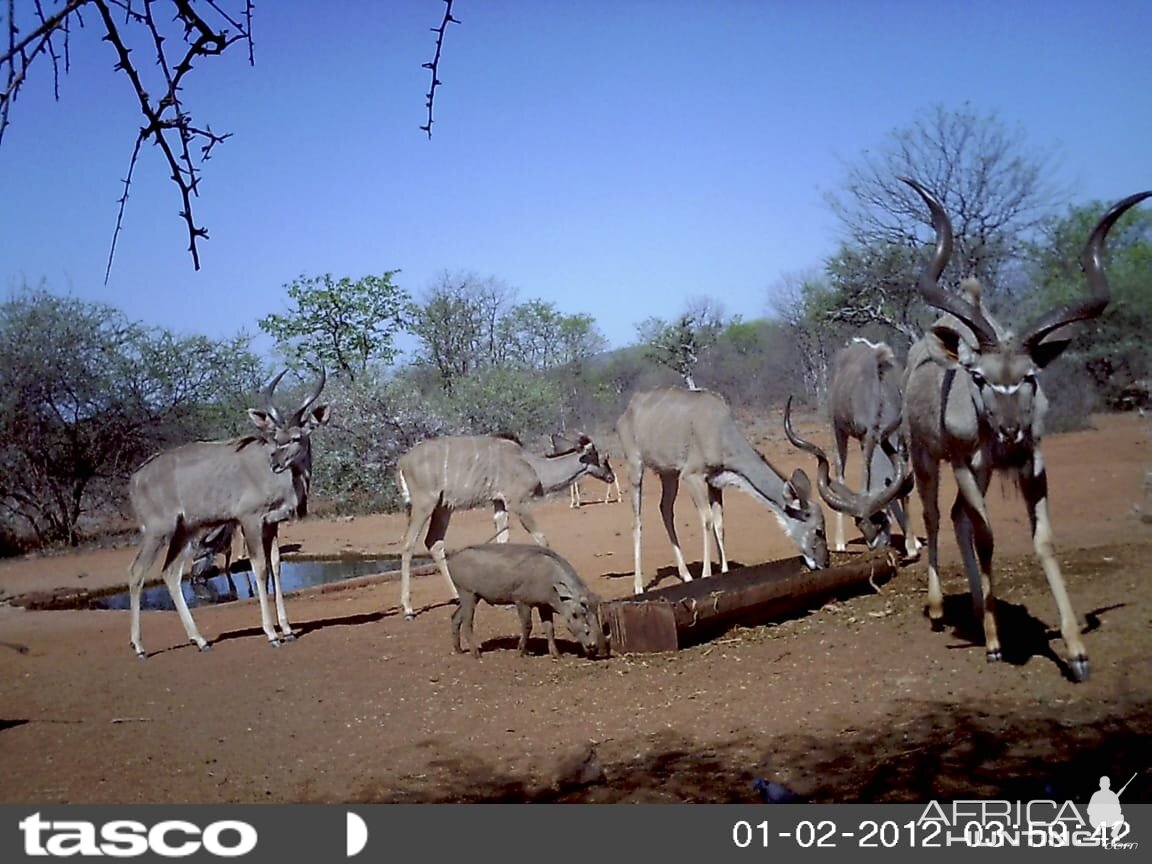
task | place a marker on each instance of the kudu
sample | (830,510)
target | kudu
(690,436)
(462,472)
(255,482)
(971,397)
(866,507)
(561,444)
(864,403)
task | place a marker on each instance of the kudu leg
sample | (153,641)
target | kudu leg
(173,577)
(277,590)
(716,499)
(899,507)
(434,541)
(1034,486)
(500,517)
(145,558)
(528,520)
(669,487)
(418,517)
(698,489)
(975,540)
(258,538)
(927,472)
(634,493)
(841,463)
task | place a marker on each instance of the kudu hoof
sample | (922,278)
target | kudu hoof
(409,616)
(204,647)
(1079,668)
(289,637)
(994,656)
(275,643)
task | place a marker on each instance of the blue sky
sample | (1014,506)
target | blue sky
(615,157)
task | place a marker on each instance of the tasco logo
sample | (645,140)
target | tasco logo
(125,838)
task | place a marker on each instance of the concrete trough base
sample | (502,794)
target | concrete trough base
(688,613)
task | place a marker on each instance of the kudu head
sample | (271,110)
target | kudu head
(289,439)
(869,513)
(596,465)
(1001,367)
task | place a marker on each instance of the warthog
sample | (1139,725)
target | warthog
(532,577)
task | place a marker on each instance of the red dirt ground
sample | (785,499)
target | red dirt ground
(857,701)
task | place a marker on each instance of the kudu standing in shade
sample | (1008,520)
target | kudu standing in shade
(462,472)
(971,397)
(255,481)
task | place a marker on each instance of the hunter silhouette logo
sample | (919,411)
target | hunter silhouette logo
(1104,810)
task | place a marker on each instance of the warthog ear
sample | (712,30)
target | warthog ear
(262,420)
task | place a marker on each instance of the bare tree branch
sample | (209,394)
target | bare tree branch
(184,145)
(434,64)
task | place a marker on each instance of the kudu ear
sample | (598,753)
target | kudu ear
(318,416)
(1051,346)
(949,346)
(798,492)
(561,444)
(262,420)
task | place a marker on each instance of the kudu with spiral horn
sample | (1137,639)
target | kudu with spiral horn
(971,397)
(256,482)
(868,511)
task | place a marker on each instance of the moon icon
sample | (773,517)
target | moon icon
(357,835)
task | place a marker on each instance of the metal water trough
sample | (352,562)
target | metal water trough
(668,619)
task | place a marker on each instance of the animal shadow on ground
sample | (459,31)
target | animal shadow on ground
(934,751)
(299,629)
(671,575)
(537,646)
(1022,635)
(306,627)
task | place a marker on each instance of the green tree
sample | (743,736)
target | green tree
(86,395)
(679,344)
(343,324)
(458,325)
(1114,349)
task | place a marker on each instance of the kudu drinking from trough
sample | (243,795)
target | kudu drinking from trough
(864,403)
(255,482)
(462,472)
(690,436)
(866,507)
(971,397)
